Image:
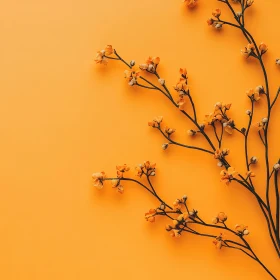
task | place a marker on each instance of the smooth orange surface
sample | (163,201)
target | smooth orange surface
(62,118)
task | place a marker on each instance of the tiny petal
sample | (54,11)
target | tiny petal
(156,60)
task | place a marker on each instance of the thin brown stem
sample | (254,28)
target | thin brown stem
(183,145)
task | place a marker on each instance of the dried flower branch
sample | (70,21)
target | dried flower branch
(219,122)
(182,219)
(255,51)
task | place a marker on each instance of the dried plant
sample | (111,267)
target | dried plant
(214,124)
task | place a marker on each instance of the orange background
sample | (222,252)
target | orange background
(62,118)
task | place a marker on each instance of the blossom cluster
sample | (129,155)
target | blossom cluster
(182,88)
(220,115)
(102,56)
(177,224)
(191,3)
(147,168)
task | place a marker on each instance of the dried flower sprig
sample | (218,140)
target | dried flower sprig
(182,219)
(220,114)
(257,51)
(219,120)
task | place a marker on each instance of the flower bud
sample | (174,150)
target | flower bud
(115,183)
(276,166)
(162,206)
(248,112)
(220,164)
(191,3)
(210,21)
(153,173)
(249,3)
(222,217)
(132,82)
(218,25)
(218,105)
(132,62)
(191,132)
(239,14)
(263,48)
(246,232)
(193,213)
(216,13)
(260,89)
(225,151)
(265,120)
(151,68)
(165,146)
(254,160)
(151,219)
(277,61)
(143,66)
(184,197)
(161,81)
(202,126)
